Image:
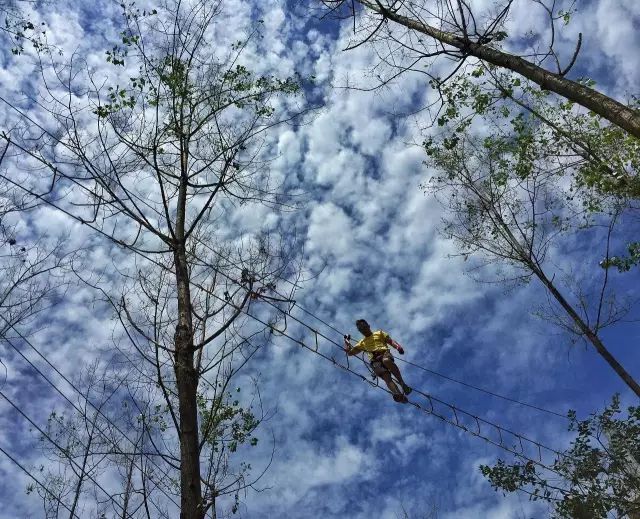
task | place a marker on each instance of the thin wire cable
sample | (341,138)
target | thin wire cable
(447,377)
(64,452)
(91,404)
(309,327)
(224,274)
(432,410)
(420,367)
(431,398)
(456,422)
(294,303)
(486,391)
(319,319)
(496,442)
(38,482)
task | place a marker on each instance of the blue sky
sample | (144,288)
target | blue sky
(370,247)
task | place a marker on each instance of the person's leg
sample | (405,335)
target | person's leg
(384,374)
(391,366)
(390,383)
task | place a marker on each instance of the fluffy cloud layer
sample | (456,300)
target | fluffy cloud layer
(371,248)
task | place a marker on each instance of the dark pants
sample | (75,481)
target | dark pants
(377,363)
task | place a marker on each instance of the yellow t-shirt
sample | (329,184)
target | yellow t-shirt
(376,342)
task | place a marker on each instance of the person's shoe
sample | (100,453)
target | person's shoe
(400,399)
(407,390)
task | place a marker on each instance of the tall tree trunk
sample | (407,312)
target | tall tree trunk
(525,257)
(187,386)
(186,373)
(588,333)
(610,109)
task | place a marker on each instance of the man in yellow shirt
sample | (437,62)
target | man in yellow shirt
(376,346)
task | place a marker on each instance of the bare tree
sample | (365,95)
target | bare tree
(408,33)
(510,200)
(32,267)
(77,444)
(111,449)
(153,166)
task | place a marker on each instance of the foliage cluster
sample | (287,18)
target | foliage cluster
(598,475)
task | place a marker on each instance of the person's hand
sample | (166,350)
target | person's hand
(400,350)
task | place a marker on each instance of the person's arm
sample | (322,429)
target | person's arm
(396,345)
(350,350)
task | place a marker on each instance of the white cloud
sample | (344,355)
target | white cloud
(330,232)
(370,235)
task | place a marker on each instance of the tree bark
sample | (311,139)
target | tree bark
(186,373)
(612,110)
(187,386)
